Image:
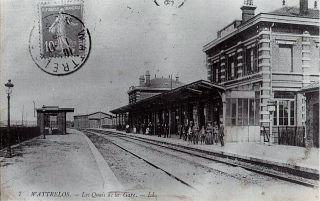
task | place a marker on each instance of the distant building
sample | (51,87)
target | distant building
(312,114)
(151,87)
(94,120)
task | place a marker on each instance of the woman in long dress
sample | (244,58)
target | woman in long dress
(209,137)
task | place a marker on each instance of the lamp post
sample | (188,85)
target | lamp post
(9,91)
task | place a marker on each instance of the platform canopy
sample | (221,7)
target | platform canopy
(193,91)
(53,109)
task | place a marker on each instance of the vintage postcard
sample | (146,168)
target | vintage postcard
(159,100)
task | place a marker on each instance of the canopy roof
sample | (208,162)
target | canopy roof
(53,109)
(192,91)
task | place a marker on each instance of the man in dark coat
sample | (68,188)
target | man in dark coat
(221,133)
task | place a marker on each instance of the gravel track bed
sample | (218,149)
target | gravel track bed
(215,181)
(135,174)
(254,176)
(208,165)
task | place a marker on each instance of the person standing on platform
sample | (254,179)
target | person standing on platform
(185,131)
(195,132)
(209,138)
(190,134)
(202,135)
(165,131)
(159,129)
(221,133)
(215,132)
(127,128)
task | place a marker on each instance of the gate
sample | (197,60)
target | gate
(293,136)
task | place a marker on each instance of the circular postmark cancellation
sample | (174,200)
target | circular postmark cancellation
(62,43)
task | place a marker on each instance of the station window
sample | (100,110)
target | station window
(231,67)
(214,72)
(242,112)
(251,61)
(284,114)
(219,72)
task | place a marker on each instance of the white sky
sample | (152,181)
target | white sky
(128,38)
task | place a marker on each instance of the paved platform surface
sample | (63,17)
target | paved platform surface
(283,155)
(60,167)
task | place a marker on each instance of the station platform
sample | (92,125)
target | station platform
(60,167)
(299,158)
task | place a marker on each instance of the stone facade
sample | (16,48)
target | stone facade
(312,118)
(266,61)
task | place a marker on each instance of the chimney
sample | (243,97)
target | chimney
(303,7)
(141,79)
(177,79)
(247,10)
(147,79)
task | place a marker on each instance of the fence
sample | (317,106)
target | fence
(293,136)
(18,134)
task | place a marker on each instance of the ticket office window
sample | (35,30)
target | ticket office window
(284,113)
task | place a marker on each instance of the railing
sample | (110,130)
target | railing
(293,136)
(18,134)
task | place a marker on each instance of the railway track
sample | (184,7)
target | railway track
(308,180)
(149,162)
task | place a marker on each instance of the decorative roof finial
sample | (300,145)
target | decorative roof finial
(283,2)
(315,4)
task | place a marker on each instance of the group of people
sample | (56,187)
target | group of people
(150,129)
(211,134)
(192,133)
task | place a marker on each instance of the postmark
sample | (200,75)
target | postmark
(61,43)
(171,3)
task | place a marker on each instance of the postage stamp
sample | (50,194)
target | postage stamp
(63,43)
(61,30)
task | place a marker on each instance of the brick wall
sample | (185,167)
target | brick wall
(312,100)
(314,56)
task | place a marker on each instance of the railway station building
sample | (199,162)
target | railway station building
(256,68)
(263,61)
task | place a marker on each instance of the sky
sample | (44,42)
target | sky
(129,37)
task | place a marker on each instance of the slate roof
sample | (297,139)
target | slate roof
(311,87)
(295,12)
(79,115)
